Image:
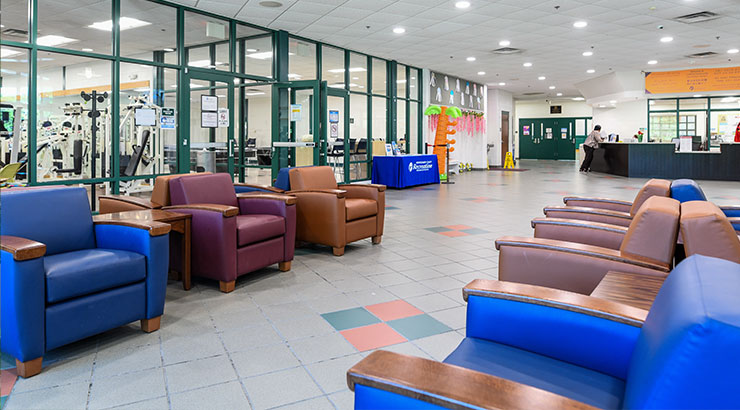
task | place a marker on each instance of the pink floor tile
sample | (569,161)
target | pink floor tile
(7,380)
(453,234)
(372,337)
(396,309)
(458,227)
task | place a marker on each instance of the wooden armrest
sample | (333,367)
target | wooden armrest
(133,200)
(289,200)
(22,249)
(340,193)
(450,386)
(556,298)
(576,248)
(225,210)
(580,224)
(604,200)
(155,228)
(584,210)
(264,187)
(379,187)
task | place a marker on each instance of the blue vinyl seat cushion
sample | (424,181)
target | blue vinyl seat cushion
(572,381)
(79,273)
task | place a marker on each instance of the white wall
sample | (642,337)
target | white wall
(541,109)
(624,120)
(498,101)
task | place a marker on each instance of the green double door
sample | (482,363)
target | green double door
(547,138)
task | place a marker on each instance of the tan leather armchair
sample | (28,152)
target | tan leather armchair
(647,248)
(707,231)
(160,197)
(335,215)
(574,230)
(609,211)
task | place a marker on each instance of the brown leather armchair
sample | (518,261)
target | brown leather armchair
(647,248)
(707,231)
(609,211)
(574,230)
(335,215)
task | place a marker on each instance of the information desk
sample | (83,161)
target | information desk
(660,160)
(405,170)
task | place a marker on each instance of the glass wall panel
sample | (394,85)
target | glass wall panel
(663,126)
(301,60)
(152,42)
(693,104)
(65,118)
(148,122)
(723,126)
(332,66)
(414,84)
(401,125)
(358,72)
(401,81)
(15,20)
(208,146)
(414,127)
(379,76)
(258,109)
(72,25)
(726,103)
(257,48)
(14,107)
(210,37)
(358,132)
(658,105)
(379,118)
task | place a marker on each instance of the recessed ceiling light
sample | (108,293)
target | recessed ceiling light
(124,23)
(612,101)
(52,40)
(527,64)
(470,58)
(578,99)
(588,53)
(580,24)
(697,95)
(552,87)
(542,78)
(462,4)
(261,56)
(666,39)
(271,4)
(590,71)
(251,50)
(481,73)
(504,43)
(602,106)
(559,94)
(502,84)
(399,30)
(87,49)
(169,50)
(733,51)
(653,62)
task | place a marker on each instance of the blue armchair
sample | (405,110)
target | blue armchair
(65,278)
(530,347)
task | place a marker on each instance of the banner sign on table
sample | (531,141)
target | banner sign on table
(694,80)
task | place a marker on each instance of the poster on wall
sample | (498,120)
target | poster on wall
(548,133)
(333,116)
(564,133)
(223,118)
(525,130)
(456,95)
(695,80)
(295,112)
(208,119)
(208,103)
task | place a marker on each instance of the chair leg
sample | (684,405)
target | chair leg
(28,368)
(150,325)
(284,266)
(338,251)
(377,239)
(227,287)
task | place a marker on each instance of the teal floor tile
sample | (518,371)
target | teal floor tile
(474,231)
(416,327)
(2,401)
(438,229)
(350,318)
(8,362)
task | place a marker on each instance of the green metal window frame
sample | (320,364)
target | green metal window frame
(678,111)
(184,72)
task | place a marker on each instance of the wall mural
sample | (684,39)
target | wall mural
(455,92)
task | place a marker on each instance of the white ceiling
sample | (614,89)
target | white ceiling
(623,34)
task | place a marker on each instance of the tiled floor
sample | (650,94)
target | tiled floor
(267,344)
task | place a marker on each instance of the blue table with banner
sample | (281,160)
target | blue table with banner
(405,170)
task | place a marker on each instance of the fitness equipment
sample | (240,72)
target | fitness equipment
(141,151)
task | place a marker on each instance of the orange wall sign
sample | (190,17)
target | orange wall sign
(688,81)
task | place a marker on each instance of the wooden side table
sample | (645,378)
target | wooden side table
(629,288)
(179,222)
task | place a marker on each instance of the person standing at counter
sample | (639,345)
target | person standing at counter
(589,146)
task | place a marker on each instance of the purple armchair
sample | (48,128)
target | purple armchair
(232,234)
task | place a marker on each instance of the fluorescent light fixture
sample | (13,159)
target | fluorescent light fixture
(729,99)
(252,50)
(351,70)
(261,56)
(733,51)
(697,95)
(552,87)
(399,30)
(653,62)
(6,52)
(666,39)
(401,81)
(504,43)
(612,101)
(578,99)
(470,59)
(169,50)
(253,93)
(580,24)
(357,78)
(52,40)
(602,106)
(481,73)
(588,53)
(542,78)
(559,94)
(125,23)
(590,71)
(527,64)
(291,75)
(87,49)
(142,90)
(651,102)
(462,4)
(502,84)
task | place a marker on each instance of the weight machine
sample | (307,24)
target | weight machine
(142,148)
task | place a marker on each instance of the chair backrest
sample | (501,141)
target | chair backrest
(685,190)
(653,232)
(654,187)
(161,191)
(687,354)
(312,178)
(60,217)
(706,231)
(203,189)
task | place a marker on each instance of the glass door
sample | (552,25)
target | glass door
(210,116)
(297,140)
(342,148)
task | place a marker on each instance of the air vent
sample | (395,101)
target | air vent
(700,17)
(14,32)
(533,94)
(507,50)
(706,54)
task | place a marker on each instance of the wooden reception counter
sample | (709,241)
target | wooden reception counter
(660,160)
